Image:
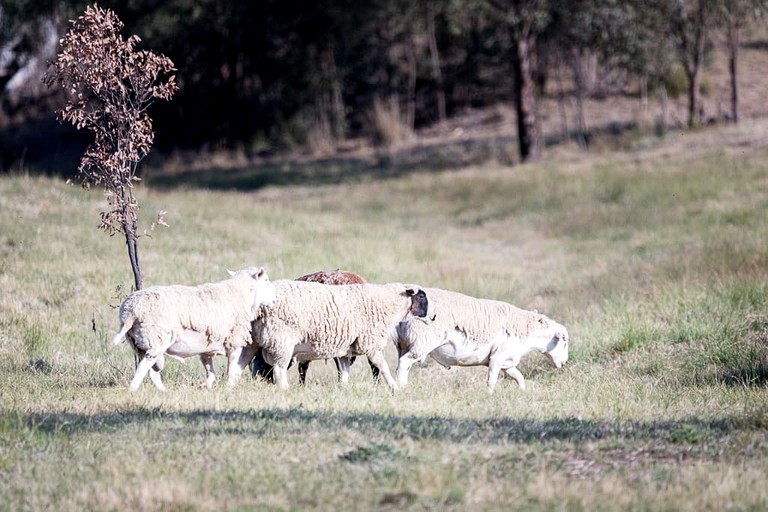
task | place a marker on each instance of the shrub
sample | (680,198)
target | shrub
(110,86)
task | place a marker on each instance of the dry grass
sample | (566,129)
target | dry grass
(655,259)
(389,128)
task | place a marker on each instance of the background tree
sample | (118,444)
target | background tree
(645,52)
(110,86)
(266,77)
(524,21)
(734,16)
(574,35)
(431,11)
(692,23)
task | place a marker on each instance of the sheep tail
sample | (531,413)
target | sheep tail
(120,336)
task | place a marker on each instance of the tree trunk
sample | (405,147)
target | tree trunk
(434,59)
(412,62)
(693,98)
(133,256)
(643,117)
(694,104)
(581,80)
(561,96)
(525,100)
(130,228)
(338,120)
(692,50)
(662,126)
(733,61)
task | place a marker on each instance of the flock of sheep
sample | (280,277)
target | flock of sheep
(269,325)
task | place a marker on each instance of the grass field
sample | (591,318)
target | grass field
(655,258)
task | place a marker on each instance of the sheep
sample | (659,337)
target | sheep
(314,321)
(479,332)
(259,366)
(332,277)
(184,321)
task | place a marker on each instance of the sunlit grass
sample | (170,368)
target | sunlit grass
(655,260)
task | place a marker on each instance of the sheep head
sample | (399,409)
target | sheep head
(421,306)
(557,346)
(263,290)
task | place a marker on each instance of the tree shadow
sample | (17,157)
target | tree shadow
(433,157)
(259,423)
(43,146)
(429,157)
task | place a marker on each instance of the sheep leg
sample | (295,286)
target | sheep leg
(154,376)
(342,367)
(154,373)
(515,374)
(145,365)
(494,366)
(377,359)
(303,367)
(210,373)
(403,367)
(280,374)
(237,360)
(247,355)
(241,357)
(260,367)
(374,372)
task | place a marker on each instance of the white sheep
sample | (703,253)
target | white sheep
(260,368)
(184,321)
(468,331)
(315,321)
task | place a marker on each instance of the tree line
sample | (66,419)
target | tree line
(282,74)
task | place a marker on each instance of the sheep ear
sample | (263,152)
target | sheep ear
(231,273)
(258,273)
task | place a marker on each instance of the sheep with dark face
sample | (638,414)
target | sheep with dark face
(479,332)
(309,321)
(184,321)
(259,366)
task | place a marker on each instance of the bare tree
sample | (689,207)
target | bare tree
(110,85)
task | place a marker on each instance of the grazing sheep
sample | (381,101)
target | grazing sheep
(314,321)
(259,366)
(479,332)
(184,321)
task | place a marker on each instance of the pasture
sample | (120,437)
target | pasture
(655,258)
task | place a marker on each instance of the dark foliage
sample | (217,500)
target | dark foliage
(266,76)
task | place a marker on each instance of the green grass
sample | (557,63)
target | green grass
(656,260)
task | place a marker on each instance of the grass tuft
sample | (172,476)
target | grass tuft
(634,338)
(371,453)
